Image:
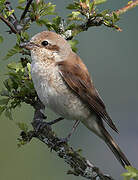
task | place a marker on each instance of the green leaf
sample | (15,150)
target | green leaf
(21,1)
(97,2)
(16,49)
(9,13)
(20,7)
(45,22)
(4,92)
(25,36)
(57,20)
(1,39)
(75,13)
(22,126)
(88,3)
(41,9)
(2,5)
(115,17)
(82,1)
(107,23)
(4,101)
(105,12)
(55,25)
(2,108)
(46,9)
(2,2)
(131,174)
(91,6)
(16,66)
(18,38)
(71,26)
(21,142)
(29,70)
(129,2)
(74,16)
(73,6)
(8,114)
(8,84)
(73,44)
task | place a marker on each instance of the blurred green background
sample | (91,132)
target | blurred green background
(112,60)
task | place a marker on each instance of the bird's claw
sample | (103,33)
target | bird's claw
(41,125)
(62,141)
(59,142)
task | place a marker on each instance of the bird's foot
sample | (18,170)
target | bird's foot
(41,125)
(62,141)
(59,142)
(55,121)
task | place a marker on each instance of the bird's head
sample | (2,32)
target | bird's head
(48,45)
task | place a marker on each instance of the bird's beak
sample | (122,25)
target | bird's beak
(28,45)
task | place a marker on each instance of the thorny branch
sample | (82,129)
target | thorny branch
(9,8)
(26,9)
(96,21)
(80,166)
(127,7)
(8,24)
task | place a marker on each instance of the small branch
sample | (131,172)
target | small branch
(26,9)
(127,7)
(98,21)
(9,8)
(8,24)
(12,18)
(80,166)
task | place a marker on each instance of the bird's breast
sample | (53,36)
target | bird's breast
(55,93)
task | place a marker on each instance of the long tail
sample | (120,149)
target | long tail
(115,148)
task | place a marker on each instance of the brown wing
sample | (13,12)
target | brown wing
(78,79)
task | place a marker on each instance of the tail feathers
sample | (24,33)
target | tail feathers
(115,148)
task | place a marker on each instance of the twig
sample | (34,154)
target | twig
(8,24)
(98,21)
(127,7)
(9,8)
(12,18)
(55,121)
(80,166)
(26,9)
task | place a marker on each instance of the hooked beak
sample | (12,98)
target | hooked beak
(28,45)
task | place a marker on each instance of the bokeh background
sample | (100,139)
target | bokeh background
(112,60)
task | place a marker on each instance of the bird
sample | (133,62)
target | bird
(64,85)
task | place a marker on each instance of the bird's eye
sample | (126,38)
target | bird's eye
(44,43)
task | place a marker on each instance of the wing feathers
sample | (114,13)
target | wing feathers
(78,79)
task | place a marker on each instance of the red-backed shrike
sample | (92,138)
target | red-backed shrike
(64,85)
